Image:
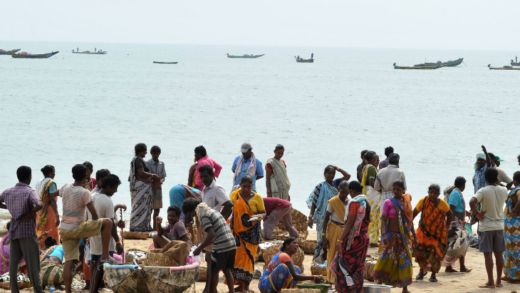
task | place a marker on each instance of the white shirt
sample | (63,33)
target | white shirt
(387,176)
(105,209)
(493,199)
(214,196)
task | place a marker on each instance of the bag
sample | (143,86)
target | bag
(474,218)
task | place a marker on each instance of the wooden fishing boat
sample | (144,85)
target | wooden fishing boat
(246,56)
(515,62)
(506,67)
(301,60)
(418,67)
(11,52)
(450,63)
(96,52)
(156,62)
(36,56)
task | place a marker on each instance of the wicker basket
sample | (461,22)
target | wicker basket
(300,291)
(21,285)
(155,258)
(308,246)
(282,235)
(297,258)
(129,258)
(317,270)
(369,270)
(203,271)
(135,235)
(299,221)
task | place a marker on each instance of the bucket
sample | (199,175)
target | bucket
(375,288)
(324,288)
(469,228)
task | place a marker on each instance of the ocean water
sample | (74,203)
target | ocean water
(73,108)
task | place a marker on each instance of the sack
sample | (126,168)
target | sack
(474,218)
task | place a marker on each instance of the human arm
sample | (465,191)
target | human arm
(259,170)
(37,205)
(323,236)
(415,213)
(92,210)
(371,175)
(473,205)
(384,220)
(227,209)
(377,184)
(516,208)
(449,217)
(299,278)
(54,206)
(346,230)
(114,234)
(309,220)
(217,167)
(158,226)
(210,236)
(346,175)
(268,173)
(488,159)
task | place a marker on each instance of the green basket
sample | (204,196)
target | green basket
(324,288)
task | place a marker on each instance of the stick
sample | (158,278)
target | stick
(122,237)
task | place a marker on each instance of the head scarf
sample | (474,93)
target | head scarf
(479,156)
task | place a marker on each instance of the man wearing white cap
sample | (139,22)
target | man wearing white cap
(483,162)
(246,164)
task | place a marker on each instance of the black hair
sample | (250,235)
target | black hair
(201,150)
(111,180)
(491,175)
(356,186)
(8,225)
(399,183)
(174,209)
(459,181)
(155,149)
(491,156)
(434,186)
(89,166)
(278,147)
(393,158)
(516,176)
(370,155)
(79,172)
(328,169)
(140,147)
(363,152)
(102,173)
(388,151)
(246,178)
(286,243)
(206,168)
(47,170)
(189,205)
(50,241)
(23,173)
(342,185)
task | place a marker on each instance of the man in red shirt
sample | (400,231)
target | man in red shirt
(278,209)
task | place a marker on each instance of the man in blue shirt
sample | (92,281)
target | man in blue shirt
(483,162)
(248,164)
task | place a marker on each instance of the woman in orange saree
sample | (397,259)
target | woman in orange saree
(47,219)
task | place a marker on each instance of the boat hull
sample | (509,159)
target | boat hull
(245,56)
(90,53)
(9,52)
(418,67)
(156,62)
(498,68)
(515,63)
(35,56)
(305,61)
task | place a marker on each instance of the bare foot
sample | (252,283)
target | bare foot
(465,270)
(451,270)
(405,290)
(488,286)
(499,284)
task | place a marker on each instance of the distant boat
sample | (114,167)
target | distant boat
(244,56)
(506,67)
(450,63)
(37,56)
(515,62)
(96,52)
(4,52)
(418,67)
(156,62)
(301,60)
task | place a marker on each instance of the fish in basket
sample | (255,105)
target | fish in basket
(23,281)
(270,251)
(317,269)
(369,269)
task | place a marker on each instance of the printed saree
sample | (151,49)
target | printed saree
(512,237)
(141,195)
(334,232)
(280,183)
(50,274)
(374,199)
(277,276)
(46,218)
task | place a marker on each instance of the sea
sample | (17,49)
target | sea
(73,108)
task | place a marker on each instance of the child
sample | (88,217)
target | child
(156,167)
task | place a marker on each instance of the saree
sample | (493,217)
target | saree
(348,265)
(374,199)
(50,274)
(319,197)
(46,218)
(277,276)
(394,266)
(5,251)
(280,183)
(512,237)
(432,235)
(247,237)
(334,232)
(141,196)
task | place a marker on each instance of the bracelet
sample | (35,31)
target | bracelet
(340,241)
(323,234)
(118,242)
(311,215)
(313,278)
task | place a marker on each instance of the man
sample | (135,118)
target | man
(157,167)
(276,210)
(74,227)
(491,225)
(247,164)
(174,231)
(483,162)
(201,157)
(388,150)
(213,194)
(23,203)
(218,233)
(502,175)
(387,176)
(105,209)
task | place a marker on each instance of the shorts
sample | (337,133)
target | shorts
(222,260)
(96,257)
(157,199)
(491,241)
(70,239)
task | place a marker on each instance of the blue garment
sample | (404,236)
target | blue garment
(52,188)
(57,252)
(178,194)
(456,200)
(480,180)
(245,166)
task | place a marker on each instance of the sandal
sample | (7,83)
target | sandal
(421,276)
(433,279)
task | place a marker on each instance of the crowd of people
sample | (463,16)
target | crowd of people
(350,216)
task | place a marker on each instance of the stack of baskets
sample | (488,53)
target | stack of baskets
(299,221)
(269,252)
(130,255)
(173,254)
(318,269)
(308,246)
(135,235)
(203,271)
(369,269)
(300,290)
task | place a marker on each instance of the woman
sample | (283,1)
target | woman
(349,264)
(248,234)
(90,183)
(317,202)
(432,234)
(278,183)
(5,251)
(359,169)
(334,223)
(180,192)
(373,196)
(141,191)
(512,233)
(281,273)
(394,266)
(51,269)
(47,219)
(192,174)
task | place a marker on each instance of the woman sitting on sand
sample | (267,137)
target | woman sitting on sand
(512,233)
(373,196)
(5,251)
(47,219)
(51,269)
(281,272)
(352,244)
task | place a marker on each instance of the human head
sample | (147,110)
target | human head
(497,160)
(140,150)
(200,152)
(100,175)
(393,159)
(48,171)
(189,205)
(90,168)
(329,173)
(481,160)
(518,158)
(79,173)
(492,158)
(355,188)
(206,175)
(246,184)
(388,151)
(377,161)
(174,214)
(371,157)
(155,151)
(247,150)
(363,152)
(491,176)
(398,188)
(460,183)
(24,174)
(516,178)
(290,246)
(343,190)
(278,151)
(433,191)
(50,242)
(110,184)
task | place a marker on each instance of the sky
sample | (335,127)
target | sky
(413,24)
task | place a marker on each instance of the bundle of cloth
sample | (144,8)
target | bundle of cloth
(458,244)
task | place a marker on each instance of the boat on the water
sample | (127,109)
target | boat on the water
(96,52)
(515,62)
(157,62)
(35,56)
(301,60)
(450,63)
(418,67)
(506,67)
(244,56)
(11,52)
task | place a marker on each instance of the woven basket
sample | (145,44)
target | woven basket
(129,258)
(203,274)
(308,246)
(282,235)
(299,221)
(369,270)
(155,258)
(300,291)
(316,270)
(297,258)
(135,235)
(21,285)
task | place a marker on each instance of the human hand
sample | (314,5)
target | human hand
(197,251)
(57,221)
(159,220)
(325,242)
(480,216)
(121,224)
(319,279)
(310,222)
(386,242)
(121,206)
(414,243)
(338,245)
(28,217)
(119,249)
(269,193)
(484,149)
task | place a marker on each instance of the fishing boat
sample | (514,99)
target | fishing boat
(96,52)
(35,56)
(450,63)
(157,62)
(301,60)
(506,67)
(11,52)
(244,56)
(418,67)
(515,62)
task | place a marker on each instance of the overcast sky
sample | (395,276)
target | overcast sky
(439,24)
